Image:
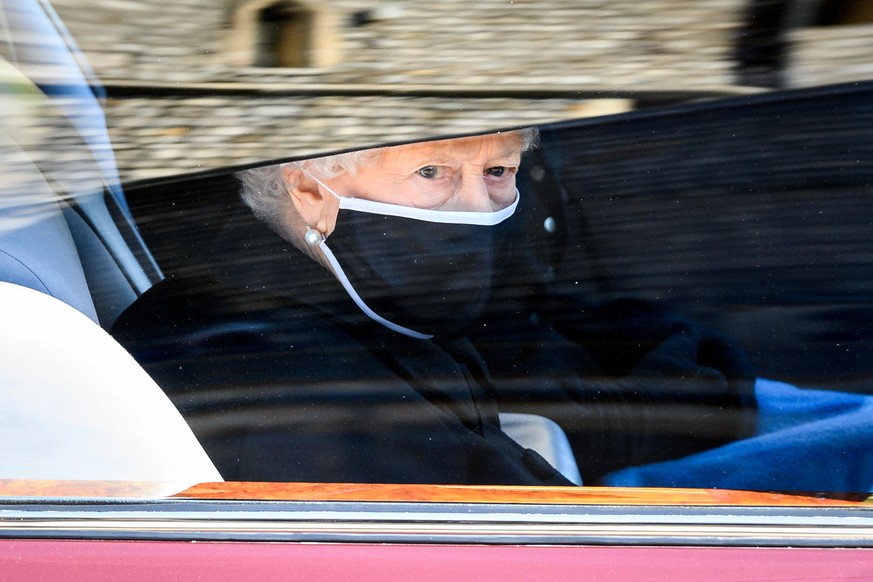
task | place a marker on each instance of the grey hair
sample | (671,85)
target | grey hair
(265,188)
(530,138)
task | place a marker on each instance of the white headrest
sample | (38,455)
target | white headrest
(75,405)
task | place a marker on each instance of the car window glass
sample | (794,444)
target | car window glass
(640,313)
(490,244)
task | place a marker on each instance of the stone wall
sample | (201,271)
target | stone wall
(211,112)
(836,54)
(565,42)
(154,137)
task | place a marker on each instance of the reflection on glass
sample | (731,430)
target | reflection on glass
(383,316)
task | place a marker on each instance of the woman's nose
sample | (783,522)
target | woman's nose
(475,196)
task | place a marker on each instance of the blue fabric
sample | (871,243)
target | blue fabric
(807,440)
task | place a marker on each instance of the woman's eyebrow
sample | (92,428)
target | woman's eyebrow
(431,158)
(447,154)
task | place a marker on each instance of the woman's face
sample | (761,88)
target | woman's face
(464,174)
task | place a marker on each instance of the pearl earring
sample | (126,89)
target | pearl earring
(313,237)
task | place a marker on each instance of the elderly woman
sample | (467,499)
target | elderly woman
(334,351)
(352,339)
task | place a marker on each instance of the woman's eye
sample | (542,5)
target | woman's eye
(497,171)
(429,172)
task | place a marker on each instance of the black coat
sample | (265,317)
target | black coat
(282,378)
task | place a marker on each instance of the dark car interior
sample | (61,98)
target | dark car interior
(749,215)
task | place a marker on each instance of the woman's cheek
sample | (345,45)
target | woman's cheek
(503,194)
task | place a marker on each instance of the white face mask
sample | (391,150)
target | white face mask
(422,273)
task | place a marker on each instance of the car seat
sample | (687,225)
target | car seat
(50,110)
(75,404)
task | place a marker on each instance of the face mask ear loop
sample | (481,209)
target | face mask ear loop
(359,301)
(320,183)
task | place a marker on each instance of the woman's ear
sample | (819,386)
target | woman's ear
(313,204)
